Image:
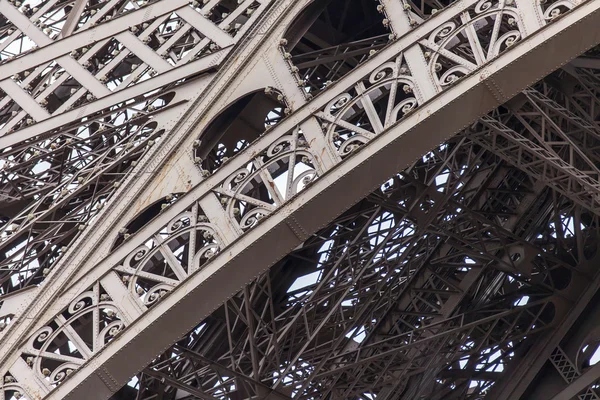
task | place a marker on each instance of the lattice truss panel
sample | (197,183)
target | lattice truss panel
(435,285)
(101,104)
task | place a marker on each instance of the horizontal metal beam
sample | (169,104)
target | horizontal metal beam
(205,64)
(390,152)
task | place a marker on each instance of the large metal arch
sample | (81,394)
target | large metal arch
(485,77)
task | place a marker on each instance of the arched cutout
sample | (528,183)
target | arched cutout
(145,216)
(325,44)
(160,101)
(589,351)
(237,126)
(589,355)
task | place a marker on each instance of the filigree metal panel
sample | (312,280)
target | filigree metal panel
(59,178)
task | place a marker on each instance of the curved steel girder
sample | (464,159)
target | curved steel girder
(482,90)
(344,185)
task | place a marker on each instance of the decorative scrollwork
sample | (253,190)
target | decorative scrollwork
(43,334)
(180,222)
(11,389)
(92,319)
(443,32)
(80,302)
(135,256)
(155,293)
(355,117)
(80,330)
(253,217)
(460,46)
(453,74)
(183,246)
(251,193)
(110,331)
(484,5)
(60,374)
(552,9)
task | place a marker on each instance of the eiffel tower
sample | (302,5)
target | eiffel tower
(300,199)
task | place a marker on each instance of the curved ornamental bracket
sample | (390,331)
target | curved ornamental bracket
(99,314)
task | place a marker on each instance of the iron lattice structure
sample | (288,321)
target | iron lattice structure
(299,199)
